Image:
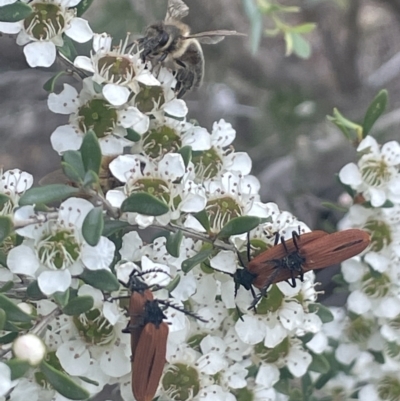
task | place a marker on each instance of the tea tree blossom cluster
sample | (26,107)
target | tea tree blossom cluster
(136,167)
(366,339)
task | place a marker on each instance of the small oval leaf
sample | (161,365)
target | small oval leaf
(190,263)
(144,203)
(71,173)
(101,279)
(132,135)
(239,225)
(18,368)
(186,153)
(322,311)
(91,152)
(63,383)
(113,226)
(9,338)
(79,305)
(33,291)
(14,313)
(6,227)
(173,243)
(61,298)
(375,110)
(173,283)
(93,226)
(49,85)
(202,218)
(7,286)
(15,12)
(319,364)
(74,159)
(3,317)
(47,194)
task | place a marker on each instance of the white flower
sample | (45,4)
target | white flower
(142,175)
(117,69)
(55,251)
(90,110)
(218,159)
(13,183)
(168,135)
(376,176)
(41,32)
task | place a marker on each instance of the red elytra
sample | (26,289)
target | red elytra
(264,265)
(311,251)
(149,358)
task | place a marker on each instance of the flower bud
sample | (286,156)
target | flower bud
(29,348)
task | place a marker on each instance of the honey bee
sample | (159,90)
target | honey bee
(169,42)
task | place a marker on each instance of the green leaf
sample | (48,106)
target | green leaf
(68,49)
(195,260)
(132,135)
(61,298)
(63,383)
(304,28)
(3,200)
(15,12)
(90,178)
(18,368)
(3,318)
(239,225)
(173,283)
(322,311)
(51,83)
(319,364)
(33,291)
(173,243)
(70,172)
(186,153)
(14,313)
(113,226)
(93,226)
(83,7)
(9,338)
(87,380)
(255,18)
(7,286)
(300,46)
(47,194)
(6,227)
(91,152)
(102,279)
(3,258)
(74,159)
(202,218)
(78,305)
(144,203)
(346,126)
(375,110)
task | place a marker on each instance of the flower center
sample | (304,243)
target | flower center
(94,328)
(181,382)
(59,251)
(161,140)
(221,211)
(47,21)
(376,173)
(359,330)
(148,97)
(116,69)
(152,186)
(389,388)
(271,355)
(207,164)
(98,116)
(381,234)
(376,285)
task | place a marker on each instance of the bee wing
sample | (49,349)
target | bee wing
(176,10)
(213,37)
